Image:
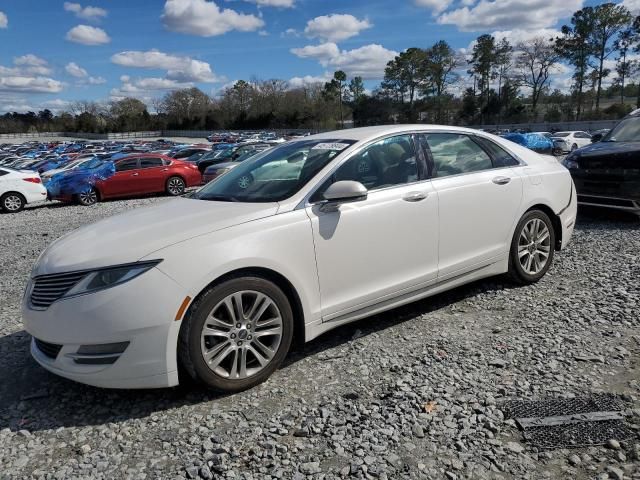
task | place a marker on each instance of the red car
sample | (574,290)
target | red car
(140,174)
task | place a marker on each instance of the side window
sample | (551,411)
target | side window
(3,172)
(455,153)
(150,162)
(501,158)
(125,165)
(386,163)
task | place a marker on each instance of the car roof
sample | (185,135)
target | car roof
(367,133)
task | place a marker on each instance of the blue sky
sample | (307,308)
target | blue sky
(55,52)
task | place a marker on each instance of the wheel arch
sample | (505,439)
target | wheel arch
(555,221)
(278,279)
(14,192)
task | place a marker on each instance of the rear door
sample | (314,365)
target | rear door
(152,176)
(479,197)
(125,180)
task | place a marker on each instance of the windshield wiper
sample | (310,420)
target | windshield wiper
(218,198)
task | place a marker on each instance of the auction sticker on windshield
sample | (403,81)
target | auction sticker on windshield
(330,146)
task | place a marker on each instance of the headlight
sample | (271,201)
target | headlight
(570,162)
(110,277)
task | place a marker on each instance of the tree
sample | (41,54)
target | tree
(534,61)
(406,75)
(187,108)
(574,46)
(483,64)
(340,77)
(608,19)
(623,64)
(441,64)
(356,89)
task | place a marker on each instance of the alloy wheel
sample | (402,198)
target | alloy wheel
(244,181)
(241,335)
(175,186)
(12,203)
(88,197)
(534,246)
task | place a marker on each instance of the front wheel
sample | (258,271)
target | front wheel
(175,186)
(532,247)
(88,197)
(237,334)
(12,202)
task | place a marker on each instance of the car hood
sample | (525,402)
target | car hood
(132,235)
(608,148)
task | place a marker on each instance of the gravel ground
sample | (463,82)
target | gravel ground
(412,393)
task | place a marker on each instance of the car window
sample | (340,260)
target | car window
(386,163)
(500,157)
(455,153)
(581,135)
(125,165)
(3,172)
(150,162)
(275,174)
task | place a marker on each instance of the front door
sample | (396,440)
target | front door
(124,181)
(379,248)
(153,173)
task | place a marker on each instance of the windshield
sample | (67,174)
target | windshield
(561,134)
(275,174)
(628,130)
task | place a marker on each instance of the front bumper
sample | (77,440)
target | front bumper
(140,312)
(568,218)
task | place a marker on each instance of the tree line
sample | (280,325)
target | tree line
(495,82)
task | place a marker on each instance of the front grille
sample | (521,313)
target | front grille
(49,288)
(51,350)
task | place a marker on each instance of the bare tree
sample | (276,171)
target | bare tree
(534,61)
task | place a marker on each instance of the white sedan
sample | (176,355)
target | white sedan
(18,188)
(346,224)
(572,140)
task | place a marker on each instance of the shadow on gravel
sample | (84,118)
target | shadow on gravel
(33,399)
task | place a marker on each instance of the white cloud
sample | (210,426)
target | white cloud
(205,18)
(263,33)
(29,84)
(436,6)
(335,27)
(145,88)
(517,35)
(75,70)
(273,3)
(509,14)
(87,13)
(96,80)
(368,61)
(4,21)
(87,35)
(31,60)
(297,82)
(179,68)
(632,5)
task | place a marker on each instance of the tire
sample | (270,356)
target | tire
(217,360)
(88,197)
(245,181)
(175,186)
(534,237)
(12,202)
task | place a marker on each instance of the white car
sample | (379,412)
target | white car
(17,188)
(572,140)
(221,282)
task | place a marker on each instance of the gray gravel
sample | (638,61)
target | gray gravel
(412,393)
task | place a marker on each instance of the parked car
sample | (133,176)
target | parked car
(221,281)
(607,173)
(217,169)
(230,154)
(17,189)
(598,135)
(130,176)
(572,140)
(185,152)
(533,141)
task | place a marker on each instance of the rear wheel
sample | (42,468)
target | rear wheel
(532,247)
(175,186)
(12,202)
(88,197)
(237,334)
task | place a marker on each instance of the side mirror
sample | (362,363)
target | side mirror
(344,191)
(596,138)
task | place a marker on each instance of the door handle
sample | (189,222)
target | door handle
(501,180)
(135,174)
(415,196)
